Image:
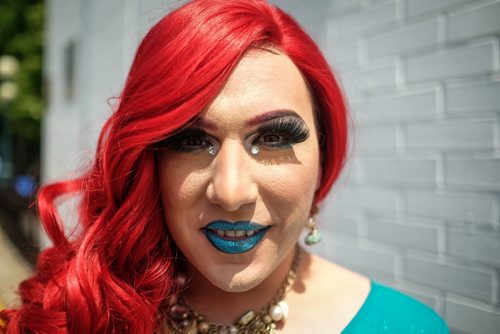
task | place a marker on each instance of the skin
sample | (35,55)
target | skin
(274,188)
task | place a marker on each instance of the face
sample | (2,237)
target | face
(234,214)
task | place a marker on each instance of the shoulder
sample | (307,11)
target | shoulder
(351,303)
(326,294)
(391,311)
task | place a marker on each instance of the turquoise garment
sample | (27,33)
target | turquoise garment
(389,311)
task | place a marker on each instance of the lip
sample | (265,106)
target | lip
(237,244)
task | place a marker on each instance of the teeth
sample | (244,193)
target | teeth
(234,233)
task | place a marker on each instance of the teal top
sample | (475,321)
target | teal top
(387,311)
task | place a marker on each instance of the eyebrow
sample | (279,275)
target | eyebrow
(259,119)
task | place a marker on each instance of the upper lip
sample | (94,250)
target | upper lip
(234,226)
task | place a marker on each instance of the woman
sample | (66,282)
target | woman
(230,131)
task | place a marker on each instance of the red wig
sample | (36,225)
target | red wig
(118,273)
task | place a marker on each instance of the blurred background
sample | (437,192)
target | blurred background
(418,206)
(21,109)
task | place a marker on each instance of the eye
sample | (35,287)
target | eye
(272,140)
(281,133)
(189,140)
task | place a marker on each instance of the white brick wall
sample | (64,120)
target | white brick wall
(419,206)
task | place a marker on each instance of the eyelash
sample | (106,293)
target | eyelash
(285,132)
(178,142)
(290,130)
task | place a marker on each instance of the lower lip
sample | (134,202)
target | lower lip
(235,246)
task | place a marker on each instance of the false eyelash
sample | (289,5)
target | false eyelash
(174,142)
(293,129)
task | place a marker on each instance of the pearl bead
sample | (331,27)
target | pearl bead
(276,313)
(233,330)
(284,307)
(203,327)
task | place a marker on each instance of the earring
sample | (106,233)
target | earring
(255,150)
(314,236)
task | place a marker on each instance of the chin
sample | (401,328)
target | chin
(237,277)
(230,278)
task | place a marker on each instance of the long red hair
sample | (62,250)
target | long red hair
(117,274)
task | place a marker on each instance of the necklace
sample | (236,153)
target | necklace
(182,319)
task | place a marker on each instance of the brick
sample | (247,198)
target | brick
(400,171)
(420,294)
(342,226)
(463,281)
(332,210)
(402,106)
(341,6)
(417,7)
(458,207)
(451,135)
(404,39)
(474,98)
(474,22)
(471,319)
(378,138)
(342,54)
(367,260)
(461,61)
(362,21)
(369,78)
(402,234)
(484,248)
(371,199)
(484,173)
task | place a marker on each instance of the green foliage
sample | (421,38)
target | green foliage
(21,35)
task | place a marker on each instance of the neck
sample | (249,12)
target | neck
(219,306)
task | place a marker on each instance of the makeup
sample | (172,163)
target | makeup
(273,134)
(281,133)
(234,237)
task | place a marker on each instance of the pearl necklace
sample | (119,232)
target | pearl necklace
(182,319)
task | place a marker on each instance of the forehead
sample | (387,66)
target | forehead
(262,81)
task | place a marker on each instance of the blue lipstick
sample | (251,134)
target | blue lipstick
(234,237)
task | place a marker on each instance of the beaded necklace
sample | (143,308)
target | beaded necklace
(182,319)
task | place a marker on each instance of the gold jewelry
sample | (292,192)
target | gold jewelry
(314,236)
(183,319)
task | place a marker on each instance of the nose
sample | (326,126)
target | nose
(232,185)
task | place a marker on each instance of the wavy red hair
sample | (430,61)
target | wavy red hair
(116,275)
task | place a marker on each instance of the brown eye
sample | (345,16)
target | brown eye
(193,142)
(271,138)
(189,140)
(272,141)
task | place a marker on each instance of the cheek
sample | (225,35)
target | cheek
(289,188)
(180,185)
